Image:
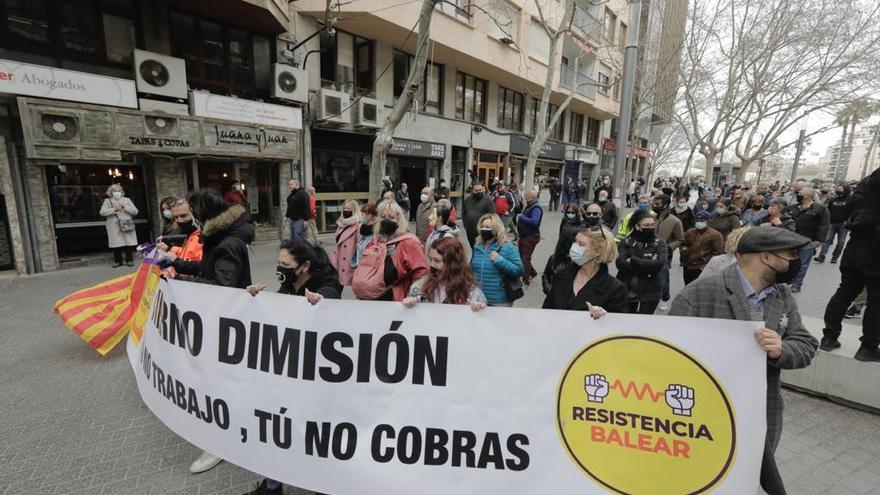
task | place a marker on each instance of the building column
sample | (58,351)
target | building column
(41,210)
(6,184)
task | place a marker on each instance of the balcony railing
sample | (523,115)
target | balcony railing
(582,84)
(587,23)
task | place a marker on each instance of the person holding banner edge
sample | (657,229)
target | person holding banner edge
(754,289)
(587,278)
(450,281)
(303,270)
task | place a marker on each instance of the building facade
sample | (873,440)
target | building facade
(474,117)
(161,97)
(846,163)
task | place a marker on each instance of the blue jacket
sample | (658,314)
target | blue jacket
(529,222)
(490,275)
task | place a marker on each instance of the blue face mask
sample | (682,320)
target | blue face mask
(577,255)
(644,207)
(700,225)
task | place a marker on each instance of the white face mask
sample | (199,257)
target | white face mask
(424,198)
(237,188)
(166,214)
(117,194)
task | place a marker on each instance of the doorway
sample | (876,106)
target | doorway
(415,174)
(489,167)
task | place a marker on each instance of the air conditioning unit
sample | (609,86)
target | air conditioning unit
(290,83)
(57,127)
(160,125)
(333,107)
(159,75)
(148,105)
(367,113)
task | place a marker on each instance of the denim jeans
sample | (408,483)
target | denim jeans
(297,229)
(835,229)
(664,277)
(806,254)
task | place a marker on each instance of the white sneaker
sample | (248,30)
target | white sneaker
(664,306)
(205,462)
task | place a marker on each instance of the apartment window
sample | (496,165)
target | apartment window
(622,36)
(576,128)
(604,81)
(539,42)
(459,9)
(364,77)
(615,89)
(557,132)
(594,127)
(613,128)
(221,57)
(430,95)
(503,20)
(609,24)
(470,98)
(94,31)
(510,109)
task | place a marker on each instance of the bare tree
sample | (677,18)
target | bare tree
(413,82)
(545,127)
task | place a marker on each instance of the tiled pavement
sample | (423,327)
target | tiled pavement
(71,421)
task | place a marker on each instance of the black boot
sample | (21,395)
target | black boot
(819,259)
(261,489)
(868,354)
(852,312)
(829,343)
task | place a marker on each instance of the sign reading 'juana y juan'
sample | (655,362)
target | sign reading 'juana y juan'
(19,78)
(438,399)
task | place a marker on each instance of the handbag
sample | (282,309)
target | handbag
(125,225)
(513,286)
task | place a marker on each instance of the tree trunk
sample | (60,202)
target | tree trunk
(710,165)
(744,166)
(687,165)
(413,82)
(543,130)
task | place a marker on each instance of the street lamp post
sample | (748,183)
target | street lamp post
(626,102)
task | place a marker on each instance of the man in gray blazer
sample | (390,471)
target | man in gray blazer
(753,289)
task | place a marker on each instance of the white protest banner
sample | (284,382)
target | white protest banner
(361,398)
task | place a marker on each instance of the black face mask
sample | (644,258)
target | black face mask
(366,229)
(387,227)
(644,235)
(347,214)
(757,207)
(477,195)
(487,234)
(285,275)
(794,266)
(658,209)
(592,221)
(187,228)
(435,272)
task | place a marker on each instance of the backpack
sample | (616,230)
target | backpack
(502,204)
(369,276)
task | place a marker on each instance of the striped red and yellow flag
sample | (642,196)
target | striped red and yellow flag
(102,315)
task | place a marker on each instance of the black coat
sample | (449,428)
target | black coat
(812,222)
(641,273)
(324,281)
(686,217)
(602,290)
(298,205)
(861,251)
(225,259)
(840,208)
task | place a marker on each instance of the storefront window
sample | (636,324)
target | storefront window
(335,171)
(459,163)
(76,193)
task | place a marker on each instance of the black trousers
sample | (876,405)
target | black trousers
(119,252)
(691,274)
(643,308)
(851,284)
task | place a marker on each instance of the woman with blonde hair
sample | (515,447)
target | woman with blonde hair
(718,263)
(586,285)
(494,259)
(403,259)
(121,236)
(347,235)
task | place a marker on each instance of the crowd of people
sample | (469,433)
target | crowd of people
(744,251)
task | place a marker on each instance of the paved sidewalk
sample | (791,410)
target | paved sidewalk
(73,422)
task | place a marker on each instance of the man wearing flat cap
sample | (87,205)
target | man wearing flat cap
(754,289)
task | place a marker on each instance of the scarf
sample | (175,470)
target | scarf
(679,209)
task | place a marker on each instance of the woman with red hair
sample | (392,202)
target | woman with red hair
(451,280)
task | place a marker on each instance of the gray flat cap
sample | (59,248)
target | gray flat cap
(768,238)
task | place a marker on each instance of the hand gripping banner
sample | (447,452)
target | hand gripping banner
(361,398)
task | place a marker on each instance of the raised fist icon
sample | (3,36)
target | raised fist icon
(596,387)
(681,399)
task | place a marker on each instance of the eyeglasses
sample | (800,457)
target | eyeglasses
(592,214)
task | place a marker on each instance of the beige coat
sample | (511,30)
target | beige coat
(116,237)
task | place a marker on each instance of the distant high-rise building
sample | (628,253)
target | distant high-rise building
(851,160)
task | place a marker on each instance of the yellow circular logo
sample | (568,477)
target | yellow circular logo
(641,416)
